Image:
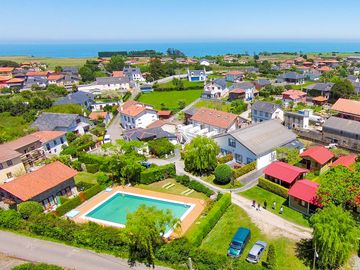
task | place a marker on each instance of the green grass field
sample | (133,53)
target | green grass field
(186,83)
(219,238)
(221,106)
(86,177)
(260,195)
(12,127)
(170,99)
(210,179)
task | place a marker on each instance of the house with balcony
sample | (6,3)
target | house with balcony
(234,76)
(249,90)
(347,109)
(215,89)
(133,73)
(293,96)
(52,141)
(319,89)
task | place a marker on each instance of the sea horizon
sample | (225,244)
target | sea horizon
(83,49)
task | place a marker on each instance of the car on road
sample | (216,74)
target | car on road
(239,242)
(107,138)
(256,252)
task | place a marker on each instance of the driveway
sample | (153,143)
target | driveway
(36,250)
(114,129)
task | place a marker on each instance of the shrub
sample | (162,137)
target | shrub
(225,158)
(161,147)
(91,192)
(27,209)
(158,173)
(92,168)
(207,224)
(10,219)
(245,169)
(83,185)
(223,174)
(40,266)
(273,187)
(271,258)
(185,180)
(103,180)
(68,206)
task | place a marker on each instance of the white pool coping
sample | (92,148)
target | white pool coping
(114,224)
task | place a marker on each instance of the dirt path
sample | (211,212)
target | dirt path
(270,223)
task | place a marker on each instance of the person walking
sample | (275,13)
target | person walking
(274,205)
(259,206)
(254,203)
(281,210)
(265,204)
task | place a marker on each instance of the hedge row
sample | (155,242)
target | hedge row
(157,173)
(273,187)
(207,224)
(92,168)
(169,89)
(225,158)
(245,169)
(185,180)
(91,192)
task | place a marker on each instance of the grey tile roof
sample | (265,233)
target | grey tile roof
(78,97)
(321,87)
(131,70)
(71,69)
(292,75)
(262,82)
(264,137)
(191,111)
(219,82)
(140,134)
(196,73)
(342,124)
(264,106)
(50,121)
(243,85)
(111,80)
(352,78)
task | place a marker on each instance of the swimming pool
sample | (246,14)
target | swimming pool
(114,210)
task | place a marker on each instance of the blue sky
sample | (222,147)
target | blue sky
(167,20)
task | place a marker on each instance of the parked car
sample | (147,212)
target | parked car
(256,252)
(239,242)
(107,138)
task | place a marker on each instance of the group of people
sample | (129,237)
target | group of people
(258,206)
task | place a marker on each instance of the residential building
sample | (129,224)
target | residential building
(133,73)
(57,79)
(294,120)
(196,75)
(257,142)
(234,76)
(317,158)
(215,89)
(248,87)
(10,164)
(236,93)
(284,174)
(302,196)
(104,117)
(81,98)
(148,134)
(164,114)
(344,132)
(100,105)
(38,75)
(52,142)
(62,122)
(70,70)
(347,109)
(319,89)
(261,83)
(262,111)
(188,114)
(17,83)
(345,161)
(118,73)
(44,185)
(206,62)
(136,115)
(353,78)
(312,75)
(6,71)
(121,84)
(165,125)
(294,96)
(291,78)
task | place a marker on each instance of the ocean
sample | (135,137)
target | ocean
(197,48)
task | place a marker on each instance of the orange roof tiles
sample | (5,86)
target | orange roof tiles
(238,91)
(320,98)
(214,118)
(347,106)
(293,94)
(133,108)
(97,115)
(159,123)
(55,77)
(118,73)
(30,185)
(235,72)
(16,80)
(4,78)
(325,69)
(164,113)
(37,73)
(45,136)
(21,142)
(6,69)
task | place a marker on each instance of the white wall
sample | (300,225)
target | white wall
(142,120)
(265,160)
(55,149)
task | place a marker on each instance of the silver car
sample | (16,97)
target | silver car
(256,252)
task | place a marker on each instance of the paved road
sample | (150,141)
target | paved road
(36,250)
(114,129)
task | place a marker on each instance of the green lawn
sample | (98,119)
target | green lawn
(219,238)
(210,179)
(260,195)
(176,190)
(86,177)
(170,99)
(186,83)
(12,127)
(302,86)
(221,106)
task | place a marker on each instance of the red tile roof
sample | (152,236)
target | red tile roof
(214,118)
(164,113)
(238,91)
(320,98)
(347,106)
(45,136)
(6,69)
(21,142)
(345,161)
(235,72)
(55,77)
(305,190)
(325,69)
(15,80)
(159,123)
(29,185)
(283,171)
(318,153)
(133,108)
(117,73)
(8,154)
(293,94)
(37,73)
(97,115)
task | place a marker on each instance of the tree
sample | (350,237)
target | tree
(238,106)
(146,237)
(223,174)
(200,155)
(178,84)
(335,236)
(117,62)
(86,74)
(58,69)
(271,258)
(58,90)
(155,69)
(181,104)
(288,155)
(28,209)
(70,136)
(161,147)
(343,89)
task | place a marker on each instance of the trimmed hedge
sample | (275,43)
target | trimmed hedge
(92,168)
(273,187)
(245,169)
(207,224)
(91,192)
(185,181)
(158,173)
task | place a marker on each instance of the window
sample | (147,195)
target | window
(303,203)
(1,166)
(232,142)
(266,114)
(9,163)
(62,140)
(9,175)
(248,160)
(48,146)
(255,112)
(261,113)
(132,120)
(238,158)
(55,142)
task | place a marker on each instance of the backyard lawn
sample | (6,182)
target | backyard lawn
(218,105)
(169,99)
(85,177)
(177,189)
(186,83)
(12,127)
(260,195)
(210,179)
(219,238)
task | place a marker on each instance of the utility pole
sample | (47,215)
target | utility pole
(315,255)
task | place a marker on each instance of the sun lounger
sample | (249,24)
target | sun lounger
(170,186)
(72,213)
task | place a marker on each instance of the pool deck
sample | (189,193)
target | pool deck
(199,205)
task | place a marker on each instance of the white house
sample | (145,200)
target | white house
(205,62)
(136,115)
(262,111)
(257,142)
(52,141)
(249,89)
(120,84)
(134,74)
(99,106)
(215,89)
(196,75)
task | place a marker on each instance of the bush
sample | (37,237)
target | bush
(91,192)
(40,266)
(158,173)
(225,158)
(185,180)
(27,209)
(207,224)
(81,186)
(272,187)
(245,169)
(92,168)
(271,258)
(103,180)
(68,206)
(161,147)
(223,174)
(10,219)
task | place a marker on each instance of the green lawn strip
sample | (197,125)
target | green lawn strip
(86,177)
(222,106)
(260,195)
(301,86)
(170,99)
(210,179)
(176,190)
(219,238)
(185,82)
(12,127)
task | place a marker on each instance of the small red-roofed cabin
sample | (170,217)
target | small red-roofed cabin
(302,196)
(284,174)
(317,158)
(345,161)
